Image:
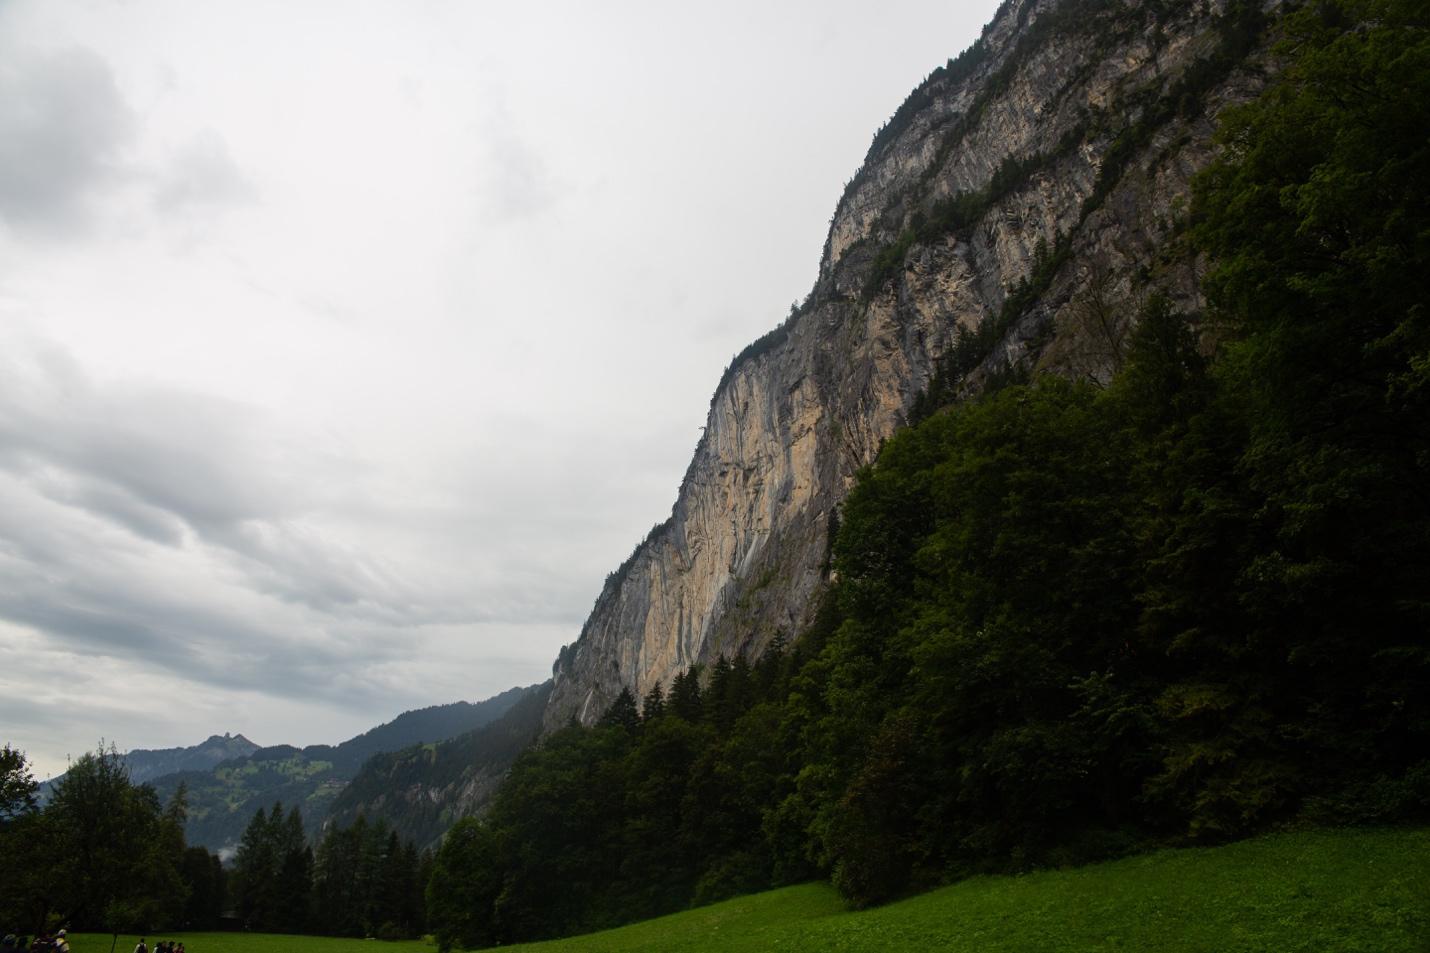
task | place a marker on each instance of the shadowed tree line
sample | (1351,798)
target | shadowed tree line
(360,881)
(103,854)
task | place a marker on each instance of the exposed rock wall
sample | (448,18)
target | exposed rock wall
(1081,92)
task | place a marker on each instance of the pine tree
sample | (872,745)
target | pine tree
(622,713)
(685,697)
(653,705)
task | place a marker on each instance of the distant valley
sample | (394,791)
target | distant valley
(228,777)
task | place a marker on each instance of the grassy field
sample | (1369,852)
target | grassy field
(249,943)
(1318,892)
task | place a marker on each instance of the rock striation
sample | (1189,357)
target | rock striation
(1034,188)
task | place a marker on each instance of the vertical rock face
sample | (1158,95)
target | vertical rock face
(1076,125)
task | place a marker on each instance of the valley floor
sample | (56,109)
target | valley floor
(1338,890)
(1350,891)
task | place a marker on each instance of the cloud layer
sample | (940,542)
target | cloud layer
(63,129)
(345,347)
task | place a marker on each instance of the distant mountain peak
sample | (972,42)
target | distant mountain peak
(145,764)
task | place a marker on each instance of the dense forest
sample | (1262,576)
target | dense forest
(106,855)
(1069,620)
(103,854)
(99,851)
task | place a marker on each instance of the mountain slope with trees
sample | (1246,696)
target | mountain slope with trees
(145,764)
(1010,218)
(223,799)
(423,790)
(1071,619)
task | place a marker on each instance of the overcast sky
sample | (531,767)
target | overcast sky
(345,347)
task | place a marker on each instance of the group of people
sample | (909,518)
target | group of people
(160,946)
(59,943)
(43,943)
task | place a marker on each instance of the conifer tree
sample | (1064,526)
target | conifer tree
(622,713)
(653,705)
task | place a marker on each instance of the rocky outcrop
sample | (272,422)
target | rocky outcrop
(1033,187)
(145,764)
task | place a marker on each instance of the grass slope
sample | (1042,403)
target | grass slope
(1315,892)
(1350,891)
(249,943)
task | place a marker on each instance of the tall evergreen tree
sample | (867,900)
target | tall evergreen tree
(685,700)
(653,705)
(622,713)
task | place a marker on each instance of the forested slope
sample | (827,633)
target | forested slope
(422,791)
(1009,218)
(222,799)
(1180,602)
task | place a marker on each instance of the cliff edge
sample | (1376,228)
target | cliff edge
(1007,220)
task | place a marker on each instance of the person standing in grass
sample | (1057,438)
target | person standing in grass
(140,947)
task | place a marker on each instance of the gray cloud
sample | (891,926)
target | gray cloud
(515,183)
(202,176)
(113,502)
(115,603)
(63,127)
(197,536)
(210,462)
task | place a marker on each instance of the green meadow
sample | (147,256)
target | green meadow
(250,943)
(1348,891)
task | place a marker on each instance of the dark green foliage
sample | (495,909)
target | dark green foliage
(1319,221)
(888,262)
(104,854)
(685,699)
(984,574)
(464,885)
(17,785)
(622,713)
(272,872)
(627,819)
(366,882)
(969,349)
(653,705)
(208,888)
(24,891)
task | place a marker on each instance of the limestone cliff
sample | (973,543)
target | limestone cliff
(1035,186)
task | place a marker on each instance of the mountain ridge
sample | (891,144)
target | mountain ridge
(145,764)
(1024,186)
(223,797)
